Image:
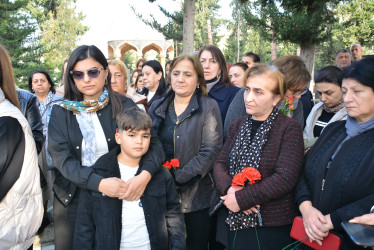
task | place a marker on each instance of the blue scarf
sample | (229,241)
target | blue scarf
(83,111)
(354,128)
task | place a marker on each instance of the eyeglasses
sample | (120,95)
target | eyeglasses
(92,73)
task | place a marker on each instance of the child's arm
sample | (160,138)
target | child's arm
(84,236)
(174,217)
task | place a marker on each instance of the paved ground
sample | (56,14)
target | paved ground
(45,241)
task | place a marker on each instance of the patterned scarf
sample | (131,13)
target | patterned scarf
(334,109)
(247,153)
(44,104)
(83,111)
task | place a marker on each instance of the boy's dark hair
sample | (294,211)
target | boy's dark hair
(133,119)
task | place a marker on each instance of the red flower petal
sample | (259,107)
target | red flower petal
(175,163)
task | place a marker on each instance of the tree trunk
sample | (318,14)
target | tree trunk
(238,38)
(209,27)
(274,49)
(188,26)
(308,53)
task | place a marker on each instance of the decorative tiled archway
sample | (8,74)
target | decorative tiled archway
(118,48)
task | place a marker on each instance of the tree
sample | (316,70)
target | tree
(17,35)
(305,23)
(203,17)
(60,34)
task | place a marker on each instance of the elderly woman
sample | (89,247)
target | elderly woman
(80,131)
(271,142)
(118,72)
(337,182)
(21,207)
(188,123)
(236,74)
(40,83)
(329,109)
(216,77)
(296,79)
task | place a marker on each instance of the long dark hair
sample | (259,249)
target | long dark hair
(218,55)
(162,86)
(71,90)
(52,88)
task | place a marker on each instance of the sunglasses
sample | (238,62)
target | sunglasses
(92,73)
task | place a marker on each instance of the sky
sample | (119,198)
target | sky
(115,19)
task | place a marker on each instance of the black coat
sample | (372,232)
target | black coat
(99,222)
(29,108)
(198,140)
(64,146)
(348,187)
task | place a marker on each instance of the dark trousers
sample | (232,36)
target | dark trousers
(197,228)
(64,224)
(269,238)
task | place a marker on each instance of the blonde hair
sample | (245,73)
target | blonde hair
(7,83)
(271,71)
(120,65)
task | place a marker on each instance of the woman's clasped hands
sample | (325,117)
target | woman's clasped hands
(317,225)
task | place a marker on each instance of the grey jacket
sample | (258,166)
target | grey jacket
(198,140)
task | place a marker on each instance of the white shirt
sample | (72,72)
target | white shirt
(134,235)
(150,95)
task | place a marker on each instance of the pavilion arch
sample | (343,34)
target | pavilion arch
(118,48)
(126,47)
(110,51)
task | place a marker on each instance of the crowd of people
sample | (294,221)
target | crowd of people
(192,155)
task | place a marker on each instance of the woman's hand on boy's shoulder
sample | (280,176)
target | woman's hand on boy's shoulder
(112,187)
(135,186)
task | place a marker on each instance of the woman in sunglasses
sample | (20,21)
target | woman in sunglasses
(80,131)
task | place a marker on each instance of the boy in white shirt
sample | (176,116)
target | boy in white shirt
(155,221)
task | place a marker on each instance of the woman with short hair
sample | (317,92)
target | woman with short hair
(337,180)
(329,109)
(260,215)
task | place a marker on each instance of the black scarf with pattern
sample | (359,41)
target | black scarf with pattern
(247,153)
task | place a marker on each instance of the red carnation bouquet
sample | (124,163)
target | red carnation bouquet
(247,177)
(174,163)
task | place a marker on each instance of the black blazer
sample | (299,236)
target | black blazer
(64,146)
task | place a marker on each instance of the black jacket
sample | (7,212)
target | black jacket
(198,140)
(64,146)
(99,223)
(12,148)
(29,108)
(346,189)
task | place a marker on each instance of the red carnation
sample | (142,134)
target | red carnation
(251,174)
(239,179)
(175,163)
(167,165)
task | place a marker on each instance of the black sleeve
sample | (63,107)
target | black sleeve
(12,148)
(174,216)
(35,120)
